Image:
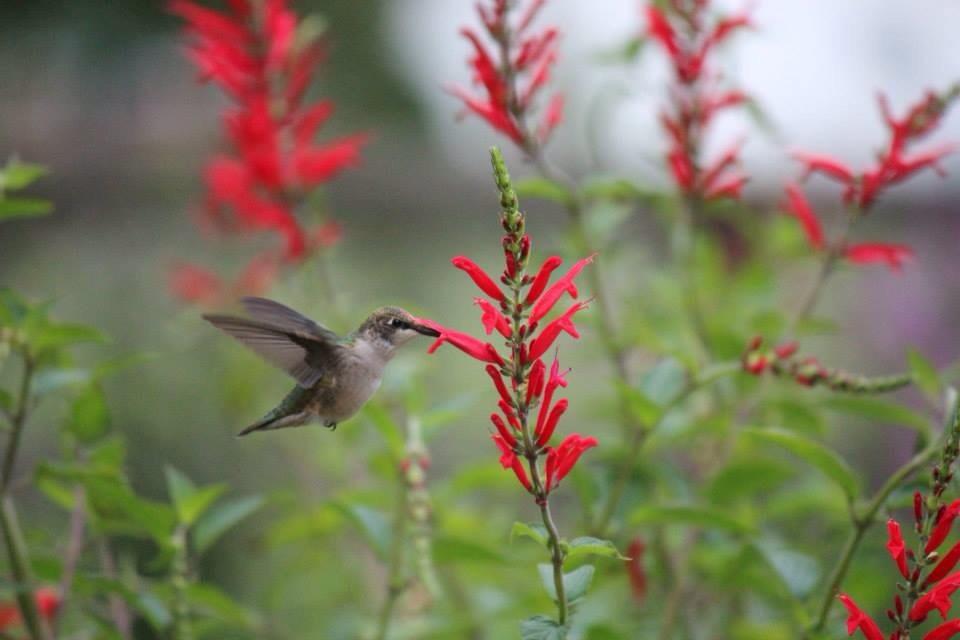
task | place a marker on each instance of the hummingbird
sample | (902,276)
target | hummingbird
(335,375)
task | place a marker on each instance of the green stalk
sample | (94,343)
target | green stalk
(182,628)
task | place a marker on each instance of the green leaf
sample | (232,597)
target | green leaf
(57,336)
(798,571)
(11,208)
(221,518)
(698,516)
(877,410)
(542,628)
(746,477)
(55,379)
(372,523)
(179,486)
(197,504)
(17,175)
(89,416)
(664,382)
(642,408)
(813,453)
(6,400)
(543,189)
(575,583)
(536,532)
(588,546)
(925,375)
(455,549)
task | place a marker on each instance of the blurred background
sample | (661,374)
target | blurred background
(102,94)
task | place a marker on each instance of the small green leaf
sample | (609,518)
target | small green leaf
(536,532)
(196,504)
(372,523)
(925,375)
(89,415)
(542,628)
(221,518)
(57,336)
(179,486)
(11,208)
(455,549)
(699,516)
(543,189)
(643,409)
(813,453)
(18,175)
(589,546)
(575,583)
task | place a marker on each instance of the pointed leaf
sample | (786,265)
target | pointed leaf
(813,453)
(11,208)
(221,518)
(575,583)
(89,415)
(17,175)
(542,628)
(536,532)
(925,375)
(372,523)
(589,546)
(543,189)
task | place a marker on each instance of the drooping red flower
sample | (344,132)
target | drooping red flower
(857,619)
(945,565)
(943,631)
(512,73)
(938,597)
(509,460)
(480,278)
(798,206)
(896,547)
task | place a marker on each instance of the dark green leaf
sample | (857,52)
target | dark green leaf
(221,518)
(542,628)
(89,415)
(536,532)
(543,189)
(813,453)
(588,546)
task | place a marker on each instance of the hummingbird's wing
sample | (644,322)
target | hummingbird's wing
(279,315)
(306,355)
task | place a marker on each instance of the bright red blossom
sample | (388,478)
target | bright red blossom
(896,547)
(562,459)
(47,600)
(857,619)
(893,255)
(512,83)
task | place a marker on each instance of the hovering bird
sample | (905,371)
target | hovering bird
(335,375)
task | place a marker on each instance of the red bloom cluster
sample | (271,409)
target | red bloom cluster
(893,255)
(48,603)
(681,29)
(255,53)
(522,380)
(512,77)
(894,163)
(929,575)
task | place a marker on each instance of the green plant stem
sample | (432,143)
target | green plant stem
(119,612)
(17,553)
(75,540)
(861,523)
(556,559)
(395,582)
(182,628)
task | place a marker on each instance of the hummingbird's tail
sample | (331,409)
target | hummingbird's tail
(273,421)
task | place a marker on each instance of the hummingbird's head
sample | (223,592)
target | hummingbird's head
(389,327)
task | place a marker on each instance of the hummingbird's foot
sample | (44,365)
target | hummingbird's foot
(330,425)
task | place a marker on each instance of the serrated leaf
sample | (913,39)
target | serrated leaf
(589,546)
(536,532)
(925,375)
(700,516)
(575,583)
(541,628)
(543,189)
(221,518)
(813,453)
(11,208)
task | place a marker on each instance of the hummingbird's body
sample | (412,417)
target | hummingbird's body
(335,375)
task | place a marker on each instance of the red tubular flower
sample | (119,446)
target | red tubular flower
(550,297)
(535,380)
(894,255)
(492,318)
(945,566)
(550,424)
(501,428)
(938,597)
(509,460)
(479,277)
(483,351)
(250,51)
(824,164)
(942,527)
(494,374)
(556,379)
(860,620)
(551,332)
(943,631)
(799,208)
(47,600)
(662,31)
(635,569)
(523,58)
(896,548)
(563,458)
(541,280)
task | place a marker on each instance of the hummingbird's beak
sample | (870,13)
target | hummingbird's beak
(425,330)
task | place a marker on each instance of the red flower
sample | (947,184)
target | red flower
(860,620)
(479,277)
(512,79)
(493,318)
(945,566)
(541,280)
(799,208)
(47,600)
(820,163)
(894,255)
(938,597)
(550,297)
(551,332)
(942,528)
(509,460)
(563,458)
(943,631)
(896,548)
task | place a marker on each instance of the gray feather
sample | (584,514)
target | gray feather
(283,317)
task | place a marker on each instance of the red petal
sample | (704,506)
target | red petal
(826,165)
(896,548)
(944,631)
(798,206)
(479,277)
(549,334)
(945,566)
(860,620)
(894,255)
(565,284)
(314,165)
(550,424)
(492,318)
(541,279)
